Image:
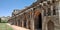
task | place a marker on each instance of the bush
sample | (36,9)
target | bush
(3,21)
(0,20)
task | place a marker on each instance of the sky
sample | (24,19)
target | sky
(7,6)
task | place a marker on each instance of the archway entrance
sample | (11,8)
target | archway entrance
(50,25)
(18,22)
(38,22)
(25,23)
(29,24)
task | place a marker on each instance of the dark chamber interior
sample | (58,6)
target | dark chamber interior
(18,22)
(38,22)
(25,23)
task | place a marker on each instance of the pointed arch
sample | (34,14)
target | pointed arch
(50,25)
(38,21)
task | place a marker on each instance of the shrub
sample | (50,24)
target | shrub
(3,21)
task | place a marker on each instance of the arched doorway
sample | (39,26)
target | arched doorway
(50,25)
(38,22)
(25,23)
(18,22)
(29,24)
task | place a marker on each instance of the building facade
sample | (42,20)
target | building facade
(41,15)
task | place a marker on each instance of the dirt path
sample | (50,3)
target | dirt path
(17,28)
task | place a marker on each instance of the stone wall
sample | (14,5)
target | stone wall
(49,15)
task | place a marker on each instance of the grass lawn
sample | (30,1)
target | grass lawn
(3,26)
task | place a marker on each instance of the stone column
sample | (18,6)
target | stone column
(51,10)
(59,11)
(27,24)
(32,24)
(14,21)
(22,23)
(42,19)
(32,21)
(17,22)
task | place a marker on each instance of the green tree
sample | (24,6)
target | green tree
(0,20)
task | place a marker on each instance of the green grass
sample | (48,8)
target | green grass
(3,26)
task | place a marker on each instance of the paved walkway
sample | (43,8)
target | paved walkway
(17,28)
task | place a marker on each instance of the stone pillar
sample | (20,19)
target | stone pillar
(59,11)
(17,22)
(27,24)
(32,20)
(51,10)
(14,21)
(42,19)
(32,24)
(22,23)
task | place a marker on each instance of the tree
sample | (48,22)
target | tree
(0,20)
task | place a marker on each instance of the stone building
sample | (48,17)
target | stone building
(41,15)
